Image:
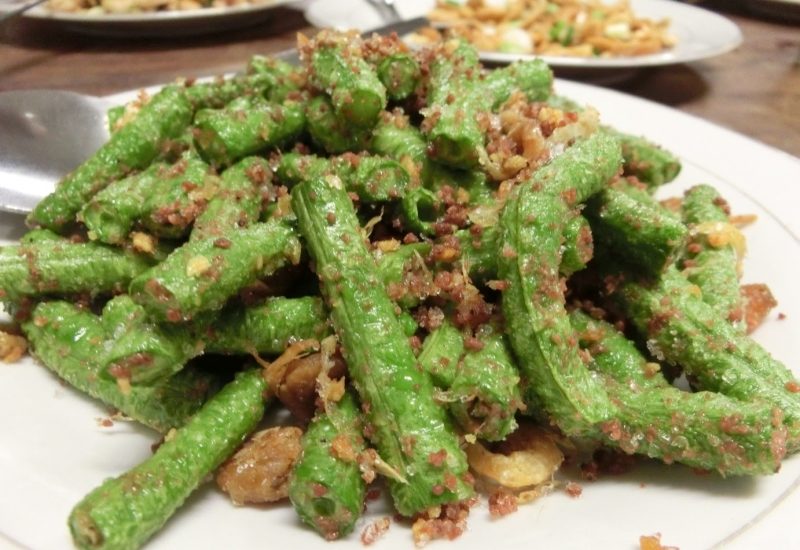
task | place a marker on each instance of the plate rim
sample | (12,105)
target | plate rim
(567,87)
(42,13)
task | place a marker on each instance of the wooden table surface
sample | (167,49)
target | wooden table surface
(754,90)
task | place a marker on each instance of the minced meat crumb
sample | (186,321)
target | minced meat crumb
(573,489)
(757,301)
(449,524)
(502,503)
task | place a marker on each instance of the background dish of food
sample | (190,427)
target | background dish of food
(699,33)
(161,23)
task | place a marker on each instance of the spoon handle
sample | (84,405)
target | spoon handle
(25,6)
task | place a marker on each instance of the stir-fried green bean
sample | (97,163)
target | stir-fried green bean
(125,511)
(481,251)
(326,488)
(380,361)
(68,341)
(203,274)
(134,146)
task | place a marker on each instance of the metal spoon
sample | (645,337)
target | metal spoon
(44,134)
(15,8)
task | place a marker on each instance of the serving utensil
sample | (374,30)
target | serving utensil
(387,9)
(44,134)
(14,8)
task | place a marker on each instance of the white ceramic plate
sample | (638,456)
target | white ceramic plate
(162,23)
(52,451)
(700,33)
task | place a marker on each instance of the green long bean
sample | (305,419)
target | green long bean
(405,423)
(125,511)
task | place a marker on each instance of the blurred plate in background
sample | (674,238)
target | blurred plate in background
(161,23)
(700,33)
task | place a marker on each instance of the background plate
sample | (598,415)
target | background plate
(52,450)
(700,33)
(162,23)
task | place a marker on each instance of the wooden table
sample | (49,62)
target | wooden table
(754,90)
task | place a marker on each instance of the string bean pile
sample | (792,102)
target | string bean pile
(425,259)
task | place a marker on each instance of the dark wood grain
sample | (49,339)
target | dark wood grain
(754,90)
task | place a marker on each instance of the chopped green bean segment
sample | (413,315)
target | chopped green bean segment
(132,147)
(408,280)
(538,326)
(267,328)
(615,355)
(652,165)
(176,198)
(69,342)
(110,214)
(382,366)
(420,208)
(716,432)
(221,91)
(329,133)
(632,223)
(440,354)
(203,274)
(285,79)
(454,135)
(583,169)
(711,260)
(485,393)
(237,200)
(532,225)
(125,511)
(372,178)
(145,352)
(326,487)
(481,387)
(399,73)
(533,78)
(394,136)
(356,93)
(404,274)
(164,197)
(247,126)
(140,351)
(60,267)
(682,329)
